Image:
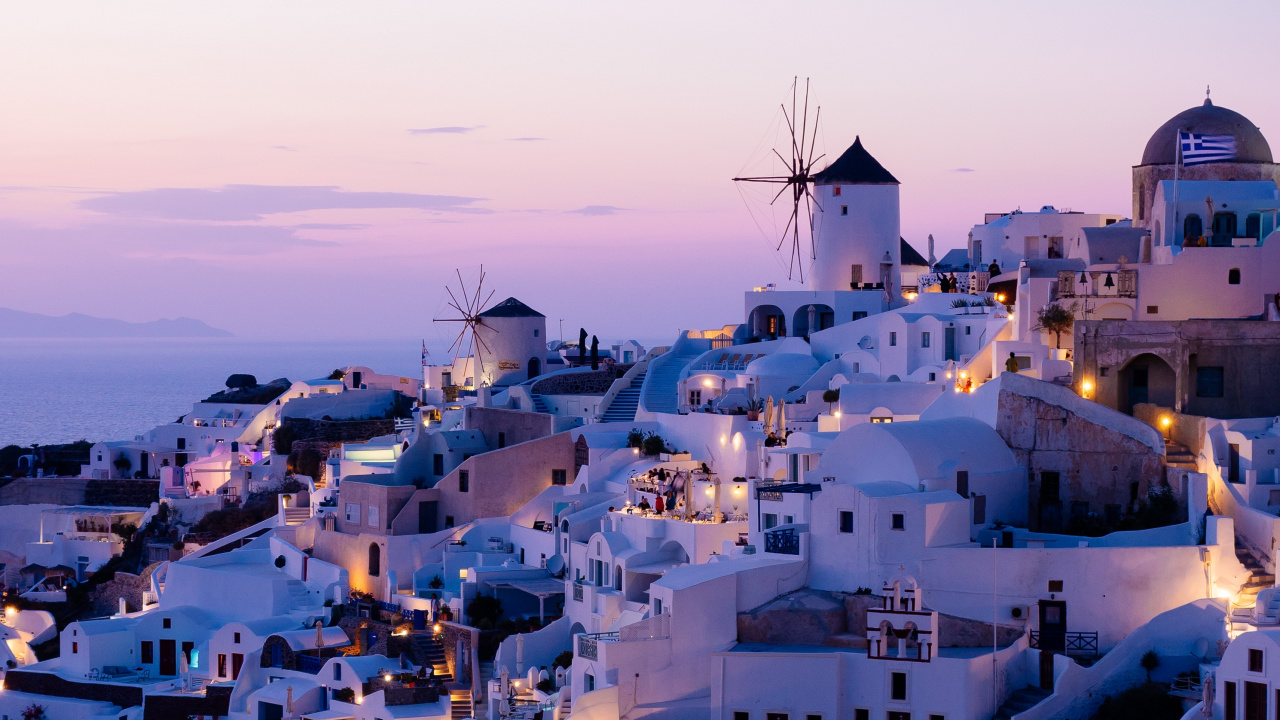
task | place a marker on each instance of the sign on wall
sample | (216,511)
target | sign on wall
(508,364)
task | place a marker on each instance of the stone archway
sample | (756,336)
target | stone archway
(1147,379)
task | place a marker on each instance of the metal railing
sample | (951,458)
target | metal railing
(588,644)
(310,664)
(1073,643)
(782,542)
(577,592)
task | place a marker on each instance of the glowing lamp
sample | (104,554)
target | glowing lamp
(707,383)
(436,628)
(1165,421)
(836,414)
(1000,297)
(387,677)
(709,492)
(462,574)
(1086,386)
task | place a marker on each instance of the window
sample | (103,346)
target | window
(1142,207)
(182,443)
(695,398)
(979,509)
(962,483)
(337,671)
(770,520)
(858,314)
(373,516)
(222,665)
(147,654)
(846,521)
(1229,699)
(1233,276)
(502,440)
(188,652)
(968,329)
(236,639)
(741,715)
(437,464)
(1153,309)
(657,606)
(166,623)
(375,560)
(775,716)
(812,717)
(1192,227)
(861,714)
(898,521)
(559,477)
(536,332)
(933,377)
(886,419)
(1255,661)
(353,512)
(1055,586)
(936,716)
(75,648)
(1049,486)
(898,686)
(893,339)
(924,340)
(464,481)
(844,209)
(835,192)
(1209,382)
(448,521)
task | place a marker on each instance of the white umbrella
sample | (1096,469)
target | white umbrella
(1206,707)
(716,514)
(183,668)
(768,415)
(506,680)
(520,654)
(288,700)
(782,420)
(319,634)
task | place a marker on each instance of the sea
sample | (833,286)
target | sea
(62,390)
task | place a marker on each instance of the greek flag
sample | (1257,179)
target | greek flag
(1201,149)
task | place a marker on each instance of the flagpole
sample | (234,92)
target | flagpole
(1177,163)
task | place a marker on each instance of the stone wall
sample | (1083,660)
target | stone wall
(122,493)
(587,382)
(216,702)
(833,619)
(44,683)
(1098,466)
(106,596)
(80,491)
(315,438)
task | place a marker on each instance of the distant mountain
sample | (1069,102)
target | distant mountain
(18,324)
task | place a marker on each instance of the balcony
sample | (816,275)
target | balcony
(588,644)
(783,542)
(310,664)
(1073,644)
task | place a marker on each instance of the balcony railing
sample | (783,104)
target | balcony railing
(310,664)
(1082,644)
(577,592)
(587,644)
(782,542)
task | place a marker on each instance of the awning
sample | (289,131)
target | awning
(539,587)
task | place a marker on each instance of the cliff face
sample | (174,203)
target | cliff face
(313,439)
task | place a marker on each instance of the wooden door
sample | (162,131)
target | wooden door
(168,657)
(428,512)
(1255,701)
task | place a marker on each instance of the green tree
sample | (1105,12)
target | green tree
(1056,319)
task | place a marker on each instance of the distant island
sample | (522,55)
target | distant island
(18,324)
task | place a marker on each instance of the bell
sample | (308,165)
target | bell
(1083,281)
(1109,282)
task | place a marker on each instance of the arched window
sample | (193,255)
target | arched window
(617,578)
(1253,226)
(375,560)
(1142,201)
(1233,276)
(1224,228)
(1192,228)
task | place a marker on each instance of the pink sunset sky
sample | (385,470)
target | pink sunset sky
(319,170)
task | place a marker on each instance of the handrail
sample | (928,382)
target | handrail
(621,384)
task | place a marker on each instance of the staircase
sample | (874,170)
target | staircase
(540,404)
(1021,701)
(433,654)
(459,704)
(1242,607)
(660,386)
(1178,455)
(566,703)
(624,405)
(297,515)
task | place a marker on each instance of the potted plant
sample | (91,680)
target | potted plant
(753,409)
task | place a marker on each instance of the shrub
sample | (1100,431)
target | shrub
(484,609)
(345,695)
(635,438)
(337,375)
(1151,701)
(1056,319)
(1150,661)
(564,659)
(547,686)
(436,583)
(34,712)
(653,445)
(282,439)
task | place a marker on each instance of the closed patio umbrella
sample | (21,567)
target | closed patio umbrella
(782,420)
(768,415)
(519,653)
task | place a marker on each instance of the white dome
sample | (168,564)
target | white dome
(784,365)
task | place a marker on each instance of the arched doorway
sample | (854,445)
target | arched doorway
(535,368)
(1147,379)
(768,321)
(812,318)
(375,560)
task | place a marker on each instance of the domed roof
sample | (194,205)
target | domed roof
(784,364)
(1208,119)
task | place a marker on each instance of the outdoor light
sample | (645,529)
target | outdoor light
(709,492)
(1165,421)
(387,677)
(1086,386)
(436,628)
(707,383)
(1000,297)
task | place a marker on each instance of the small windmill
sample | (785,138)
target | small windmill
(799,172)
(469,311)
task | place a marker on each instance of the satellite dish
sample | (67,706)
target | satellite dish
(555,565)
(1201,648)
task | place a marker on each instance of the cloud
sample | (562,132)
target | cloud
(331,226)
(446,130)
(597,210)
(253,202)
(286,148)
(163,239)
(526,139)
(961,170)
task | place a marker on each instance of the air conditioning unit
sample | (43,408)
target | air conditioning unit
(1018,612)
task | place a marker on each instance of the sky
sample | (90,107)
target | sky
(322,170)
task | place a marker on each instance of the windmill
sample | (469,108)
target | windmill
(469,311)
(798,170)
